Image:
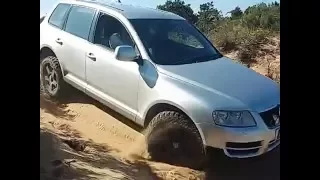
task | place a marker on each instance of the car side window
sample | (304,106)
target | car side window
(79,21)
(58,15)
(110,33)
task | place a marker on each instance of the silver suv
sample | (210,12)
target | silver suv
(161,72)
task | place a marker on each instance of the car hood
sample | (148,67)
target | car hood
(230,79)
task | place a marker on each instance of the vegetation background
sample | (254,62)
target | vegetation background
(251,37)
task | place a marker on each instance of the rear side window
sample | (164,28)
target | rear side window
(58,15)
(79,21)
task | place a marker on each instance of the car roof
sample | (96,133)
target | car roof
(129,11)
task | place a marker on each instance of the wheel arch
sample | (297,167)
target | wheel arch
(46,51)
(161,106)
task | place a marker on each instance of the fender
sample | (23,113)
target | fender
(180,108)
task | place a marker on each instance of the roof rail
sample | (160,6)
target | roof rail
(102,2)
(108,4)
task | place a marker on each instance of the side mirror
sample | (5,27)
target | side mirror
(125,53)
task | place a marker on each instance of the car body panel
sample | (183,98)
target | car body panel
(230,80)
(114,78)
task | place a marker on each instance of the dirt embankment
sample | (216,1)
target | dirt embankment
(267,61)
(82,139)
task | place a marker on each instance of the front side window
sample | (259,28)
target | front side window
(174,42)
(58,15)
(79,21)
(110,33)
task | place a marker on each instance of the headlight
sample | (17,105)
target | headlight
(233,118)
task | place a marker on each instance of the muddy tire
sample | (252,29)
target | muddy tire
(51,80)
(172,138)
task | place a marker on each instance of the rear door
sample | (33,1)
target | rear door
(51,28)
(74,41)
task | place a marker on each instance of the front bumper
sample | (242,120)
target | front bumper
(241,142)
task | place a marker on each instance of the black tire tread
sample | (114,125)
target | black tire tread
(172,119)
(62,84)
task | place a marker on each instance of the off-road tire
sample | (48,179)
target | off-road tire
(171,127)
(54,65)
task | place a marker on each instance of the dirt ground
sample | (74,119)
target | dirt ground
(82,139)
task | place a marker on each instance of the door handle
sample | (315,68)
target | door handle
(91,56)
(59,41)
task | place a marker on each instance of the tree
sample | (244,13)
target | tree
(262,16)
(180,8)
(275,3)
(208,17)
(236,13)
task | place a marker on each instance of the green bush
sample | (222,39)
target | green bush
(262,16)
(225,37)
(234,36)
(250,43)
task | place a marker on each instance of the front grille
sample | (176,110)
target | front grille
(269,117)
(243,145)
(243,149)
(247,152)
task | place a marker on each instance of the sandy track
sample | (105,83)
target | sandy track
(82,139)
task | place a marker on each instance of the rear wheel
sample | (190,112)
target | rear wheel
(51,80)
(173,138)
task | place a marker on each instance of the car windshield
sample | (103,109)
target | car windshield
(174,42)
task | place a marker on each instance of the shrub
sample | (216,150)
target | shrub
(231,35)
(250,42)
(225,36)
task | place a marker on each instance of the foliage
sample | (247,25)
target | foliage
(236,13)
(225,36)
(210,20)
(250,41)
(262,16)
(208,17)
(243,31)
(231,35)
(246,31)
(180,8)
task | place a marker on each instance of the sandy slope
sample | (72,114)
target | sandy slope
(113,150)
(82,139)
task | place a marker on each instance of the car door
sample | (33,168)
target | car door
(74,41)
(51,30)
(112,81)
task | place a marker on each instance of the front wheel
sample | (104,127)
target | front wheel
(51,80)
(173,138)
